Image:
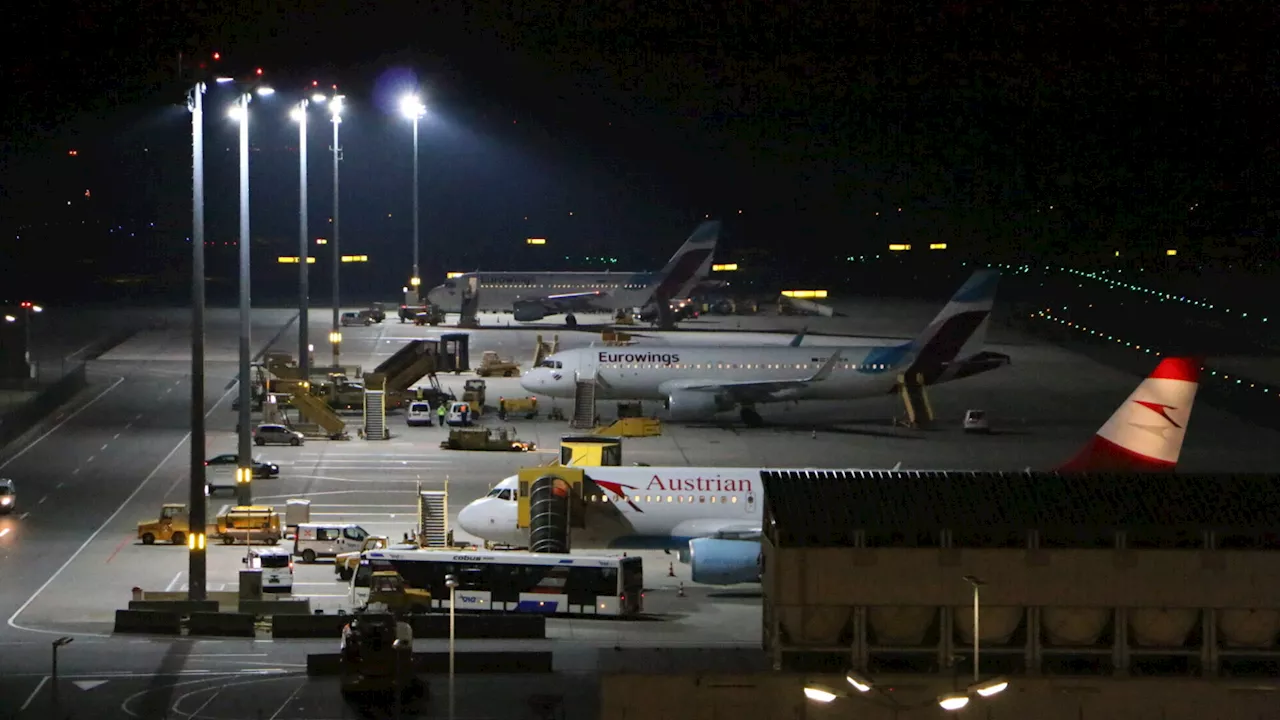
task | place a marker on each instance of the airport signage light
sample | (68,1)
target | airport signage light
(536,241)
(355,258)
(899,247)
(452,275)
(724,267)
(335,337)
(322,241)
(804,294)
(415,282)
(1171,252)
(937,246)
(294,260)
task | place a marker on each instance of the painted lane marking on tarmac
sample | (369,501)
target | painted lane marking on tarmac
(104,445)
(91,457)
(33,694)
(112,556)
(115,437)
(23,516)
(41,500)
(12,621)
(5,531)
(76,471)
(61,422)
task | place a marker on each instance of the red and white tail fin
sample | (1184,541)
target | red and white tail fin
(1145,434)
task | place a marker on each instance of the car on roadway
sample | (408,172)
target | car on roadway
(261,468)
(276,435)
(8,495)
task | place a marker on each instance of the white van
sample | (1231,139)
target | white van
(276,565)
(419,413)
(460,415)
(315,540)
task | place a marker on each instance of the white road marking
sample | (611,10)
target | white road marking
(398,507)
(76,471)
(91,457)
(41,500)
(64,421)
(5,531)
(289,699)
(104,445)
(58,486)
(93,536)
(128,425)
(115,437)
(138,416)
(33,694)
(23,516)
(174,581)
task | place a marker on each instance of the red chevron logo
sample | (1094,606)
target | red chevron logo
(617,489)
(1160,409)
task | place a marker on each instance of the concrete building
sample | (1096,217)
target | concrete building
(1098,596)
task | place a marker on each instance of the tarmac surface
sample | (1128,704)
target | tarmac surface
(69,554)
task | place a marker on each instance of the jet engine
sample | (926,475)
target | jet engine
(528,311)
(724,562)
(695,405)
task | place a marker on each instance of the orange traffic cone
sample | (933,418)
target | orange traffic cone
(671,569)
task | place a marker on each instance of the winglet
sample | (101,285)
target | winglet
(1145,434)
(826,368)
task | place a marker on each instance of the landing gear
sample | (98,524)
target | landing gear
(570,321)
(750,417)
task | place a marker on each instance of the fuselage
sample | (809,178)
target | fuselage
(656,507)
(654,372)
(502,291)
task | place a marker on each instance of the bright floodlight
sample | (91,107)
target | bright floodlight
(859,683)
(237,112)
(265,91)
(411,107)
(10,318)
(319,98)
(224,80)
(989,687)
(36,308)
(335,107)
(297,114)
(818,693)
(953,701)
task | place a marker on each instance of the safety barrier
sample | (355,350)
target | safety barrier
(148,622)
(221,624)
(436,625)
(507,663)
(268,608)
(308,626)
(179,607)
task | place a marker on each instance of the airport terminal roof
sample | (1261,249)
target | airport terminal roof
(825,508)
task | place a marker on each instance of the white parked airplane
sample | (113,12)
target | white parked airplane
(697,381)
(533,296)
(712,516)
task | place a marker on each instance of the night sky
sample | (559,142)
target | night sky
(1046,129)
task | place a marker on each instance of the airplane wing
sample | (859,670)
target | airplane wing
(718,529)
(755,391)
(569,302)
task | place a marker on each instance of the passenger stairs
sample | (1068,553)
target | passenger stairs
(584,405)
(375,415)
(433,518)
(916,401)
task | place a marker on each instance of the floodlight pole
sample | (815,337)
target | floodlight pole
(196,559)
(244,457)
(304,301)
(335,333)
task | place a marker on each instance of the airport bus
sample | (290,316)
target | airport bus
(513,581)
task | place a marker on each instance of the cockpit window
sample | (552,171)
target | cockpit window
(450,284)
(553,364)
(500,493)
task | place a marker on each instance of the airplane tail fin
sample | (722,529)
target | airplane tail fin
(1145,434)
(690,264)
(959,331)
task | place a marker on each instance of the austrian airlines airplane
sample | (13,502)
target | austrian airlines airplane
(698,381)
(533,296)
(712,516)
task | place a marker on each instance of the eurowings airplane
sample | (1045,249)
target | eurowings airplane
(712,516)
(534,296)
(696,382)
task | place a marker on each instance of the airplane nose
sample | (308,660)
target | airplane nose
(472,518)
(530,381)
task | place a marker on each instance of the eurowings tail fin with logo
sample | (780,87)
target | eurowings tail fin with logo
(1145,434)
(690,265)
